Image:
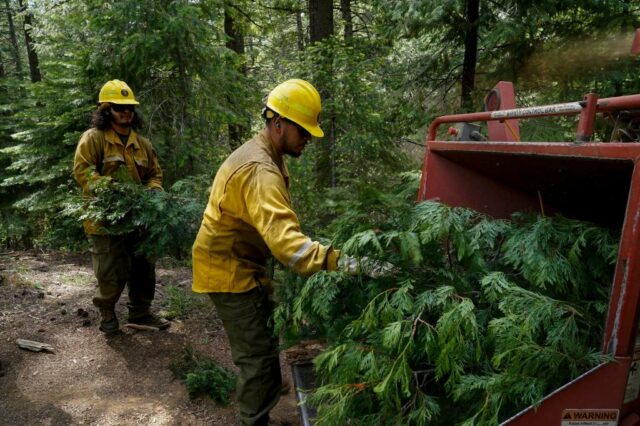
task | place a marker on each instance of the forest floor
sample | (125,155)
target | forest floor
(93,379)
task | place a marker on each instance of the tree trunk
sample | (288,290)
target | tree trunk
(470,54)
(235,42)
(34,63)
(345,6)
(321,28)
(183,121)
(320,19)
(15,50)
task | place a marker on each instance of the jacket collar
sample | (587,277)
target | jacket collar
(111,136)
(263,140)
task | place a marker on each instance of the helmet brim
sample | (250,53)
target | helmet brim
(123,102)
(315,131)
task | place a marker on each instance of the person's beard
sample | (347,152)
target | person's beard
(293,153)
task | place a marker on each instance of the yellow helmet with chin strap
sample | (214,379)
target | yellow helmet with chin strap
(117,92)
(297,100)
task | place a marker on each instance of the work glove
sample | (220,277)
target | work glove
(363,265)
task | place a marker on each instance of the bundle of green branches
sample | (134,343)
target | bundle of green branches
(165,222)
(481,319)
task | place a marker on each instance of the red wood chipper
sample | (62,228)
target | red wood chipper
(597,182)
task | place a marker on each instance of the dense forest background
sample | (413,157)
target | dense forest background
(200,69)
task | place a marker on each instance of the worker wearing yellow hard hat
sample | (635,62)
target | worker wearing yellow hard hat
(111,148)
(248,218)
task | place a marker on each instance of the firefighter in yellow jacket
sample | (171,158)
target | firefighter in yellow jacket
(248,218)
(112,146)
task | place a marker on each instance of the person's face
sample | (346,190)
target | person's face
(122,114)
(294,138)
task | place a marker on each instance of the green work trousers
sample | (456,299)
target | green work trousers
(254,349)
(115,265)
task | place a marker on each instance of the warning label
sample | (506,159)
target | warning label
(590,417)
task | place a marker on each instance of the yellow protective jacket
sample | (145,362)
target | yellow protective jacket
(101,153)
(248,217)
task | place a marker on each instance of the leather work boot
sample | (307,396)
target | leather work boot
(108,321)
(149,319)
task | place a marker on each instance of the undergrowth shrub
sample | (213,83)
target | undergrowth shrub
(203,376)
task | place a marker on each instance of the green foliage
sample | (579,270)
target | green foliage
(544,256)
(553,50)
(173,55)
(166,222)
(370,211)
(83,44)
(361,125)
(40,155)
(381,87)
(481,318)
(204,376)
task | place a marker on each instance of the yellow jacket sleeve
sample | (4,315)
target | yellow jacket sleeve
(269,212)
(154,177)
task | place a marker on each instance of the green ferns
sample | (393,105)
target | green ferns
(483,318)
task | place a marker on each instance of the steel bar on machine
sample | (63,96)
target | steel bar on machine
(568,108)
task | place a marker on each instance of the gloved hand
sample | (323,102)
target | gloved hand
(363,265)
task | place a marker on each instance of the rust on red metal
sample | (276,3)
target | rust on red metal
(597,182)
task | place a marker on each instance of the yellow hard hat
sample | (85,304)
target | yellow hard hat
(117,92)
(297,100)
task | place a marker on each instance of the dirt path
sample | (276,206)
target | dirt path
(93,380)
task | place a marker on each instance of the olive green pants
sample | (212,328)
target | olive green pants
(254,349)
(115,265)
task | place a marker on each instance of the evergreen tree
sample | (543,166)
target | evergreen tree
(174,57)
